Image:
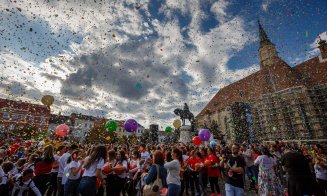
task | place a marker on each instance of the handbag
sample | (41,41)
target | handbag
(154,188)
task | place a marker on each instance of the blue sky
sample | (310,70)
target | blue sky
(93,56)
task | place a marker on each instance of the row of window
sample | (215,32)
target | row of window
(11,127)
(14,117)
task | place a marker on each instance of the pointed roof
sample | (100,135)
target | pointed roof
(263,36)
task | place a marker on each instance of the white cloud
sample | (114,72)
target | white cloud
(118,34)
(266,3)
(219,9)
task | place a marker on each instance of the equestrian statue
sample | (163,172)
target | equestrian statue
(185,114)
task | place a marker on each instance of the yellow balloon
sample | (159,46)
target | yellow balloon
(108,138)
(177,123)
(47,100)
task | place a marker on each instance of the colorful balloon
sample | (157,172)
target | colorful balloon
(213,143)
(196,140)
(204,134)
(131,125)
(62,130)
(168,129)
(177,123)
(106,169)
(164,191)
(47,100)
(111,126)
(208,163)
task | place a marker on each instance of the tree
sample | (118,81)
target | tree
(98,134)
(214,128)
(145,138)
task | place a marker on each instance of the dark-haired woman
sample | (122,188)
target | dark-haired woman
(173,168)
(111,179)
(72,173)
(134,166)
(93,166)
(43,170)
(269,183)
(120,169)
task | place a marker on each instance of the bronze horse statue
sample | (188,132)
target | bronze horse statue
(184,114)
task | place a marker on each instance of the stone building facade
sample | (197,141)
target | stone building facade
(276,102)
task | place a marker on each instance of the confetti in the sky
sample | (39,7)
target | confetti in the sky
(85,53)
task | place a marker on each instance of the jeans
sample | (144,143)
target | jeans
(173,190)
(87,186)
(233,190)
(70,187)
(60,187)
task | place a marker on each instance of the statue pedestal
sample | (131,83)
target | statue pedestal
(185,135)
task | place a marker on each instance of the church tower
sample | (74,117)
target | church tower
(267,51)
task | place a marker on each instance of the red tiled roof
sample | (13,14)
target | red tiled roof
(310,73)
(33,109)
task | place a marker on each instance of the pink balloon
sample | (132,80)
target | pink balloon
(62,130)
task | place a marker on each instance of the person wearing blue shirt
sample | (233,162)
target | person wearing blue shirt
(152,174)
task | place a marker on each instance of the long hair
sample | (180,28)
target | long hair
(179,155)
(198,154)
(71,157)
(168,156)
(265,151)
(100,152)
(111,155)
(48,154)
(122,156)
(158,158)
(137,154)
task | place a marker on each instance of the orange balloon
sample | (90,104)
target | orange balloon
(106,169)
(207,163)
(197,166)
(121,171)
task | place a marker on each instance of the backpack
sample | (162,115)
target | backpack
(153,189)
(20,184)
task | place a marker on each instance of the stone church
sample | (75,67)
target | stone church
(276,102)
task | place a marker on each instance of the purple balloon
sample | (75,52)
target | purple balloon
(131,125)
(204,134)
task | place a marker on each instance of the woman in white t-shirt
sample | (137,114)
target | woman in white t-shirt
(269,183)
(72,174)
(93,166)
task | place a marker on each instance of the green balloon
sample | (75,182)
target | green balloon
(168,129)
(111,126)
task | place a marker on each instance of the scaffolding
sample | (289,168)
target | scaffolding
(293,113)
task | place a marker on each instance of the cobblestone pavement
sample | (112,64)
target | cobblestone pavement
(247,190)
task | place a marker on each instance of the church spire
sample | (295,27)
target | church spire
(263,36)
(267,51)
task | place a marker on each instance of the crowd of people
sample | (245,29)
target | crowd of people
(272,169)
